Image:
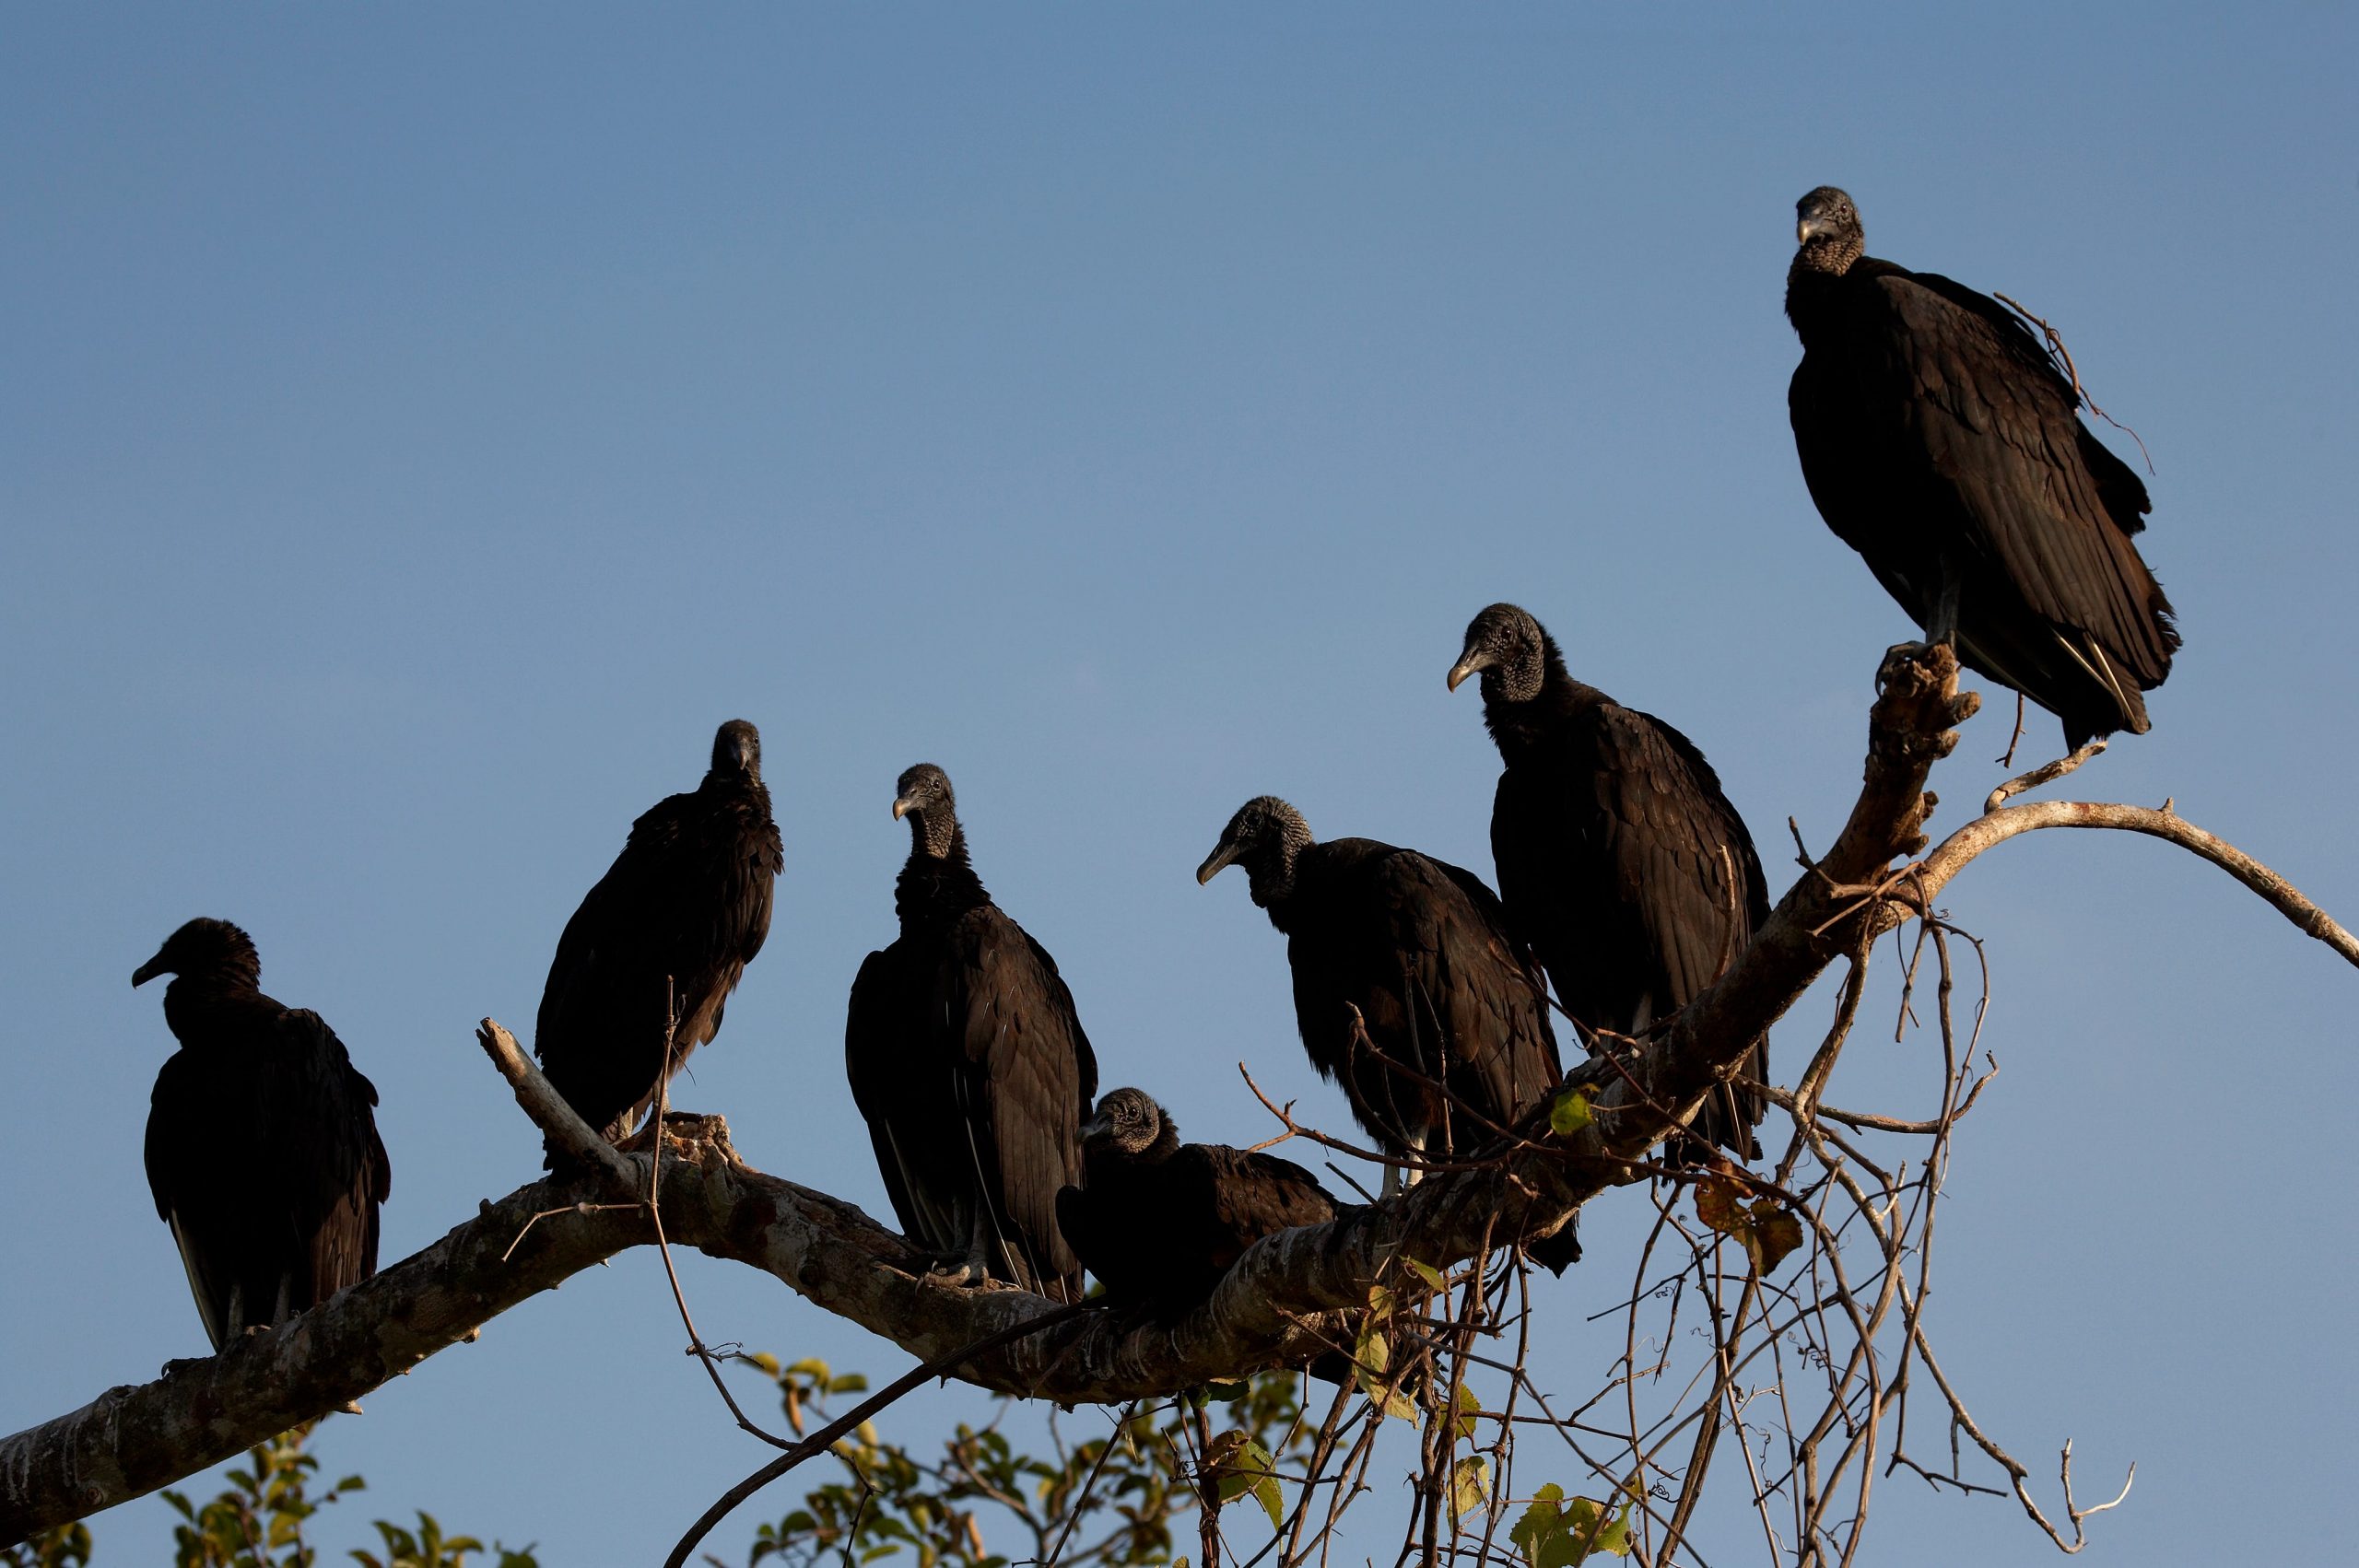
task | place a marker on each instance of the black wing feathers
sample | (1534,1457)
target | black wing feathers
(1940,441)
(1028,1077)
(264,1157)
(1161,1235)
(969,1062)
(688,898)
(1632,876)
(1421,950)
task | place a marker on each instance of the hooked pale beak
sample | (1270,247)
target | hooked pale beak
(1216,863)
(1097,1126)
(902,806)
(148,971)
(1468,663)
(1809,226)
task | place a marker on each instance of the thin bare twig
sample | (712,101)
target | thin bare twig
(2072,372)
(2047,773)
(827,1435)
(2007,759)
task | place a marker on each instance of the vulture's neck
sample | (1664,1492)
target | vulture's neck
(1106,1160)
(938,884)
(1814,283)
(1271,878)
(737,784)
(1523,730)
(195,1002)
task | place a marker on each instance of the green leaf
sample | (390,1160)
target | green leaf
(849,1383)
(1570,1112)
(1470,1485)
(1238,1463)
(1529,1534)
(1273,1500)
(1424,1271)
(1379,1301)
(1556,1533)
(1464,1407)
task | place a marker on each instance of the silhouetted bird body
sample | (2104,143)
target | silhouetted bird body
(687,899)
(969,1062)
(1409,988)
(1159,1222)
(1940,441)
(1621,862)
(263,1150)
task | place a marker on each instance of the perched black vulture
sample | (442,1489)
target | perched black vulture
(1940,441)
(1160,1222)
(688,898)
(1408,988)
(969,1062)
(1615,851)
(262,1145)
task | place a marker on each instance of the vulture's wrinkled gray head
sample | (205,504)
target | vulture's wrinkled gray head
(199,946)
(1265,837)
(737,748)
(1826,225)
(922,794)
(1506,646)
(1129,1120)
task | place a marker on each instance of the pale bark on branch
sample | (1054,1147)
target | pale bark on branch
(1995,826)
(1279,1305)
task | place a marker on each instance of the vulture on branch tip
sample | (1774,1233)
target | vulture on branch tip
(262,1143)
(969,1062)
(1620,864)
(1160,1222)
(1408,988)
(687,902)
(1941,442)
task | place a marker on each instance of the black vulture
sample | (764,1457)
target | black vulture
(1620,864)
(1159,1222)
(262,1143)
(1409,988)
(969,1063)
(687,901)
(1941,442)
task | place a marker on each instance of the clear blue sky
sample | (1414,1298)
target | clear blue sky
(420,425)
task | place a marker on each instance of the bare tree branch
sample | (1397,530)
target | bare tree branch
(1279,1304)
(1998,827)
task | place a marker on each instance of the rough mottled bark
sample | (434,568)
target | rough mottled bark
(1276,1305)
